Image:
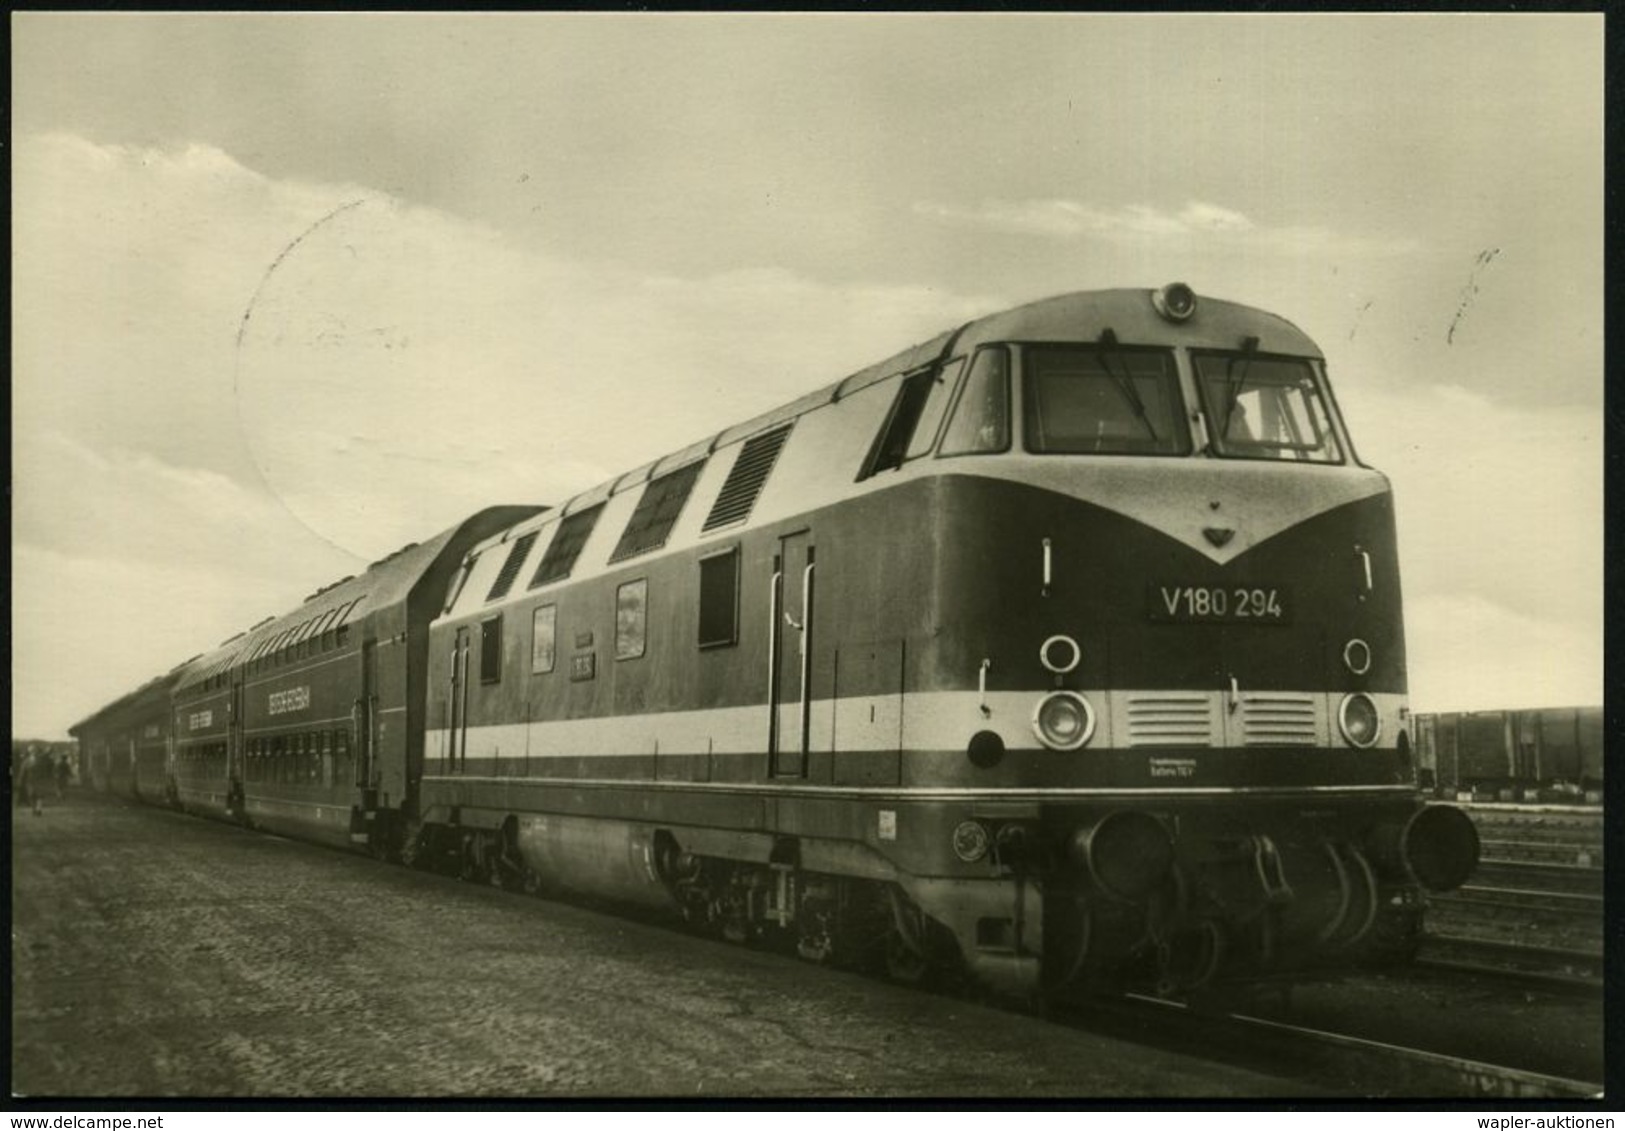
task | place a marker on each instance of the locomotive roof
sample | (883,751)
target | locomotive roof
(1079,316)
(384,583)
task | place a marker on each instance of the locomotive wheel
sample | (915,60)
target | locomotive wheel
(905,964)
(905,951)
(413,849)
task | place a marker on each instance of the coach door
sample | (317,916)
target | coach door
(365,721)
(791,644)
(235,775)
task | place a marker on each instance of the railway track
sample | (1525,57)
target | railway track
(1553,968)
(1551,911)
(1337,1062)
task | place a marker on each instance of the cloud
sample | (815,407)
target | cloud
(403,367)
(1197,222)
(265,382)
(1470,654)
(1500,517)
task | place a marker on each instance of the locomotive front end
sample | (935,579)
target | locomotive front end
(1176,594)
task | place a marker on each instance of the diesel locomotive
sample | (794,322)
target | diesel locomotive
(1060,652)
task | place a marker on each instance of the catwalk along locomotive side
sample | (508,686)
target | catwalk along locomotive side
(1064,649)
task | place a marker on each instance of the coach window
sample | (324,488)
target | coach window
(719,599)
(981,419)
(544,623)
(491,650)
(631,619)
(341,757)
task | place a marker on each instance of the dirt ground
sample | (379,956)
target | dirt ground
(160,955)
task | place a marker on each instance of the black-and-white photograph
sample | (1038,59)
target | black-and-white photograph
(1053,558)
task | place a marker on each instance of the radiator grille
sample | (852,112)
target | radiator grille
(1278,719)
(1170,719)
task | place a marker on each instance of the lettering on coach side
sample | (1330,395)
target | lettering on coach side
(293,699)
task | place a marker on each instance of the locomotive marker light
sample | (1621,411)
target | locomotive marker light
(1357,718)
(1063,720)
(1053,653)
(1357,656)
(1175,302)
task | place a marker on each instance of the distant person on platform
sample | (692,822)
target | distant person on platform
(30,781)
(61,770)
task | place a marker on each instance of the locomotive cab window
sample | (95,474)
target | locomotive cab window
(981,419)
(1266,408)
(1086,400)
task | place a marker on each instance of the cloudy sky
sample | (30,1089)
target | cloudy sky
(290,291)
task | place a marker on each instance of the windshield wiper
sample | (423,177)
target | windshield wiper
(1125,385)
(1235,381)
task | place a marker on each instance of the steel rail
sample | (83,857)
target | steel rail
(1356,1063)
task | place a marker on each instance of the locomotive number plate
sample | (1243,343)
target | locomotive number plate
(1218,604)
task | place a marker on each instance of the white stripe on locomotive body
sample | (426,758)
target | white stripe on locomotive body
(931,720)
(780,787)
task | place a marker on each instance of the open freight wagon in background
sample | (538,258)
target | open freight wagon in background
(1552,754)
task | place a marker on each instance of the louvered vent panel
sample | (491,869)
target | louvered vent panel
(1278,719)
(1170,719)
(566,546)
(510,568)
(656,513)
(745,479)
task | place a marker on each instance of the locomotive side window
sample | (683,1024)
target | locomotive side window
(566,546)
(544,624)
(719,599)
(631,619)
(1092,400)
(656,512)
(981,420)
(455,589)
(1266,408)
(491,650)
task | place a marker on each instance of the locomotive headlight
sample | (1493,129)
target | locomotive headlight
(970,841)
(1063,720)
(1175,302)
(1357,718)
